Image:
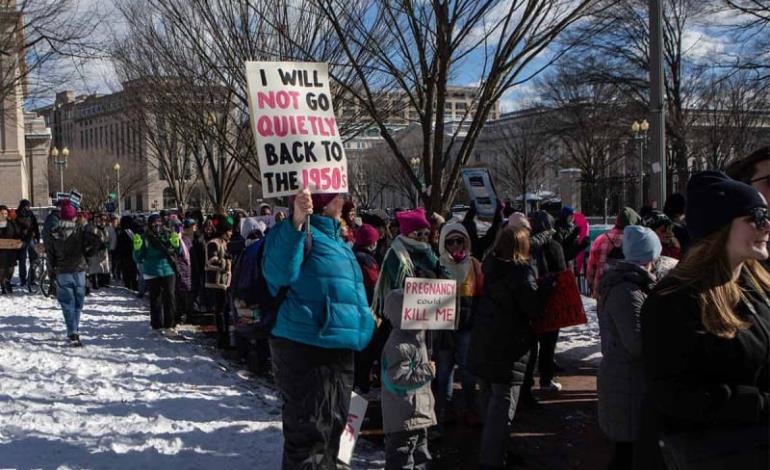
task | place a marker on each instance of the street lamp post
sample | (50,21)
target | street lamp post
(415,162)
(640,135)
(250,186)
(117,171)
(61,163)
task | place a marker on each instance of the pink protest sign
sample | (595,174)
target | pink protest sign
(292,117)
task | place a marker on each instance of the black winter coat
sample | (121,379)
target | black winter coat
(70,245)
(502,334)
(8,257)
(695,379)
(26,223)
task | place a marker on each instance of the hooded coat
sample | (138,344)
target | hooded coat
(68,247)
(407,400)
(547,253)
(620,380)
(502,333)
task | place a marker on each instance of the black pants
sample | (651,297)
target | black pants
(623,458)
(184,305)
(546,343)
(315,385)
(162,302)
(128,273)
(221,315)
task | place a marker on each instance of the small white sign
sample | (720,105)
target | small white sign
(655,167)
(356,414)
(429,304)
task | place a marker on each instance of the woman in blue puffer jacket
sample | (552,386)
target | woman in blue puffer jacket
(323,318)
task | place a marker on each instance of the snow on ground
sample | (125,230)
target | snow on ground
(130,398)
(582,343)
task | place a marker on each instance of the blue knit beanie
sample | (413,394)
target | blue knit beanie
(640,245)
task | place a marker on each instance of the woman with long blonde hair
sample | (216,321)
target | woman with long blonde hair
(706,336)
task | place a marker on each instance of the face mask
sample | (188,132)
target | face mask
(459,256)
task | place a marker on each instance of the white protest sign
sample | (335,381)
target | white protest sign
(292,117)
(429,304)
(349,436)
(479,186)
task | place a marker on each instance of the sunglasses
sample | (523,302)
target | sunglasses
(758,218)
(421,234)
(454,241)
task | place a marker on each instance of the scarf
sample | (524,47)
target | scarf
(401,249)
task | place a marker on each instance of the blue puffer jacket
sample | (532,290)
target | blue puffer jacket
(326,303)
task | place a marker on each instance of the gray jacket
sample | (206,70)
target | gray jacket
(620,381)
(407,401)
(99,263)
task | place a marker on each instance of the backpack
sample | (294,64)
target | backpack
(251,295)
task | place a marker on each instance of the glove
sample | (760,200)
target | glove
(137,242)
(175,240)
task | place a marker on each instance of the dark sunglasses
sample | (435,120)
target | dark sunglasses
(454,241)
(421,233)
(759,217)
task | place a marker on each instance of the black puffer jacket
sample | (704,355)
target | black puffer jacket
(547,253)
(70,245)
(502,335)
(695,379)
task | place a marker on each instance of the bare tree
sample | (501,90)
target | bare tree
(731,121)
(42,44)
(754,33)
(621,53)
(92,177)
(591,121)
(414,49)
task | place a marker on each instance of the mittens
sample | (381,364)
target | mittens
(175,240)
(137,242)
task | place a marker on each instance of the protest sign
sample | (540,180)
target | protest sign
(292,117)
(10,244)
(479,186)
(429,304)
(356,414)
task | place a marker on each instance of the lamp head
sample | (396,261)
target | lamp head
(635,127)
(116,167)
(644,126)
(65,152)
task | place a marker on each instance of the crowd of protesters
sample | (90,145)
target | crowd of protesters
(683,309)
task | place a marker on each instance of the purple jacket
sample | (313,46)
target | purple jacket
(183,263)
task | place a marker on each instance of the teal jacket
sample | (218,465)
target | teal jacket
(326,304)
(154,261)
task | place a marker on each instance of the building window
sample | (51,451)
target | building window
(169,199)
(139,202)
(127,204)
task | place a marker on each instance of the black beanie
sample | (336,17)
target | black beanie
(714,200)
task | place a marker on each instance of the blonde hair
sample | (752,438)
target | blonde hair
(706,268)
(513,244)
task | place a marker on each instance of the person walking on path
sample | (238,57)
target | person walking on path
(407,400)
(451,347)
(70,245)
(157,252)
(706,336)
(29,232)
(218,275)
(323,318)
(620,381)
(124,251)
(8,256)
(502,336)
(184,293)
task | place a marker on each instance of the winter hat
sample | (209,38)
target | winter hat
(714,200)
(322,200)
(189,222)
(152,219)
(640,245)
(627,217)
(567,211)
(366,235)
(411,221)
(519,220)
(66,211)
(656,220)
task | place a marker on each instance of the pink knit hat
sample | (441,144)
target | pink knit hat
(322,200)
(366,235)
(411,221)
